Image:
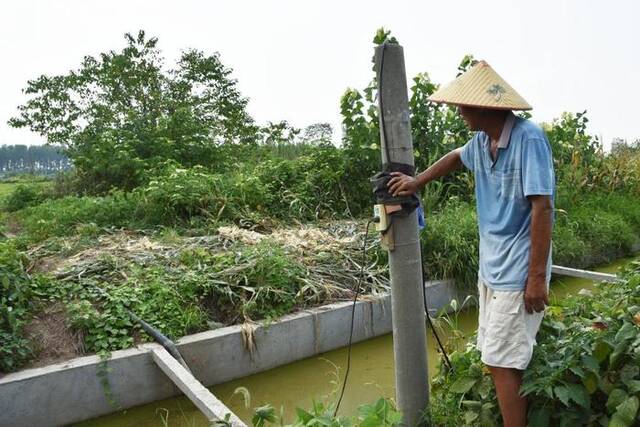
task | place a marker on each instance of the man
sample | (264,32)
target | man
(514,184)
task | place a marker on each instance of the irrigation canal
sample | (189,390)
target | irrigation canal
(297,384)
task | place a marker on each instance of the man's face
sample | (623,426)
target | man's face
(473,117)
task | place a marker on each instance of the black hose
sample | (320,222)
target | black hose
(158,336)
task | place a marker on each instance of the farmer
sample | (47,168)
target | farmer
(510,158)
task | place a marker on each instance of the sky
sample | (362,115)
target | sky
(294,59)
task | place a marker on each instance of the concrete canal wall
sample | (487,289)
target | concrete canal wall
(69,392)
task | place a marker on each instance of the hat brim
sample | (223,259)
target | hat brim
(486,107)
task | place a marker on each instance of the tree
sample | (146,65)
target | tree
(36,159)
(317,133)
(278,133)
(123,113)
(620,147)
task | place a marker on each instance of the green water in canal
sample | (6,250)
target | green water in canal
(296,384)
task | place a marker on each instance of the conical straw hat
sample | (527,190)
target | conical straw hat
(481,87)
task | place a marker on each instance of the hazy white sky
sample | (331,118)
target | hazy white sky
(294,59)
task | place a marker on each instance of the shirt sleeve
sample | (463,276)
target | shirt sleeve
(537,168)
(468,155)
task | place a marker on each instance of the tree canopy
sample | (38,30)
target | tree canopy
(122,113)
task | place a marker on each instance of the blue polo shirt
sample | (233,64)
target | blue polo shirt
(524,167)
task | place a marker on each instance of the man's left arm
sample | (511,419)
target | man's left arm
(535,296)
(538,182)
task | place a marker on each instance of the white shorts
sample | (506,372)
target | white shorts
(506,332)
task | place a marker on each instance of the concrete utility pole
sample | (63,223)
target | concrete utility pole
(409,331)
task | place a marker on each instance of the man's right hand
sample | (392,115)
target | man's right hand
(402,185)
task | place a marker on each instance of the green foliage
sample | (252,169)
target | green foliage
(60,217)
(312,186)
(450,243)
(584,370)
(596,229)
(98,308)
(382,413)
(181,194)
(22,197)
(121,113)
(15,296)
(270,288)
(382,36)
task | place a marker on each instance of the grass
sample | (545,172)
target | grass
(6,188)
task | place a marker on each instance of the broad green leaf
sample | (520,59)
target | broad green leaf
(303,415)
(633,386)
(625,413)
(626,332)
(590,363)
(462,385)
(562,393)
(590,382)
(601,351)
(540,417)
(473,404)
(578,393)
(470,416)
(616,356)
(629,372)
(616,397)
(578,371)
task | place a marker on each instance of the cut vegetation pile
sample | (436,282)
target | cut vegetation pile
(180,284)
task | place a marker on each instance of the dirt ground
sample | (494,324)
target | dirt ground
(51,339)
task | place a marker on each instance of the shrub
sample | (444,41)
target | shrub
(15,296)
(22,197)
(60,217)
(450,243)
(310,187)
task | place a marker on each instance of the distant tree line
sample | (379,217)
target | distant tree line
(35,159)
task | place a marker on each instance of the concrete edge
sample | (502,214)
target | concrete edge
(71,391)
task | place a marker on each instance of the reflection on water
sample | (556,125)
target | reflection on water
(296,384)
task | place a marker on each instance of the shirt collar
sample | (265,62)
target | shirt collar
(505,136)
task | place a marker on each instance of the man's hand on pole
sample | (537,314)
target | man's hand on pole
(402,185)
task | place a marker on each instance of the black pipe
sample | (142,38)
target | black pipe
(158,336)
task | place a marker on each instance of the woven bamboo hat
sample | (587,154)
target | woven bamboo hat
(481,87)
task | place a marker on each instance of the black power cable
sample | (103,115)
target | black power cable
(383,124)
(353,312)
(426,311)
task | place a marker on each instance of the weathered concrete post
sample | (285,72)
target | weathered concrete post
(409,331)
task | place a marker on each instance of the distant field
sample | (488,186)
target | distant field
(7,187)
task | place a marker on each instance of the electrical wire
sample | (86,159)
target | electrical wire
(353,312)
(383,124)
(426,311)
